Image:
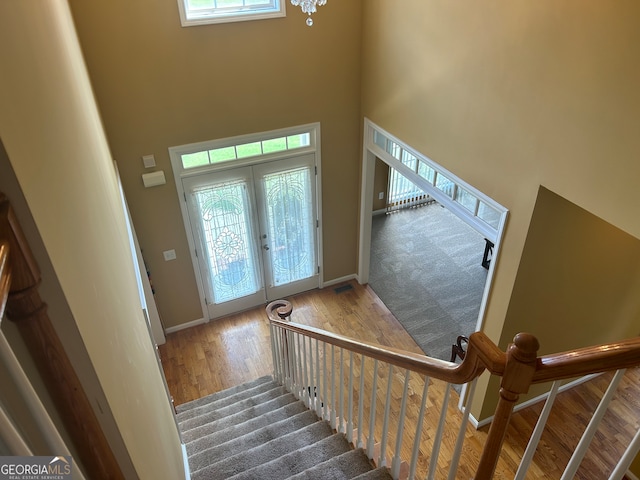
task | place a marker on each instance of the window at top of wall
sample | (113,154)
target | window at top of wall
(202,12)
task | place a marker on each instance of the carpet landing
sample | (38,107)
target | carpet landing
(260,431)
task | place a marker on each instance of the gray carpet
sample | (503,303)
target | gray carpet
(260,431)
(426,268)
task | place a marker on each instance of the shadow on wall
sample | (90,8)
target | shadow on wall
(578,279)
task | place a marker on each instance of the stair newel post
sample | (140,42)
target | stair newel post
(519,369)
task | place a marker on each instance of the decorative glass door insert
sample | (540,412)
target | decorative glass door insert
(228,237)
(255,232)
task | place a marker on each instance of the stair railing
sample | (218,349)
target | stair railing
(311,363)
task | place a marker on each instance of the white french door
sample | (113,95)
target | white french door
(254,230)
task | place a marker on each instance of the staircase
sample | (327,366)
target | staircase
(261,431)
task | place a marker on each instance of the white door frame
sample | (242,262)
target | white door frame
(179,172)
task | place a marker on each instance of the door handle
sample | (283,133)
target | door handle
(265,246)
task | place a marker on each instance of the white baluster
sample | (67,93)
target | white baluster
(587,436)
(318,373)
(361,403)
(627,457)
(300,377)
(372,411)
(350,404)
(274,359)
(306,384)
(435,451)
(418,436)
(333,387)
(382,461)
(325,414)
(537,432)
(457,451)
(395,464)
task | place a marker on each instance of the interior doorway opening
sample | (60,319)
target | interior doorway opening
(471,206)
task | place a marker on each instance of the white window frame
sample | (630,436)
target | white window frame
(193,17)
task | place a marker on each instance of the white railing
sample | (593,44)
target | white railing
(369,392)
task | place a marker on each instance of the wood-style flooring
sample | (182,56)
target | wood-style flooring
(211,357)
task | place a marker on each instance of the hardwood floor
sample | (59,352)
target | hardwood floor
(226,352)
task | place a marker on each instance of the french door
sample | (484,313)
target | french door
(255,232)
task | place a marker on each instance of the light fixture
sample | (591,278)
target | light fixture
(308,7)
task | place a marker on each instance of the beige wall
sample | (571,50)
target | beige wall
(577,283)
(510,96)
(160,85)
(53,138)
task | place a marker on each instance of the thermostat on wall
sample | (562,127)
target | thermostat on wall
(153,179)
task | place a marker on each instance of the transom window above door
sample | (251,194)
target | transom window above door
(202,12)
(245,149)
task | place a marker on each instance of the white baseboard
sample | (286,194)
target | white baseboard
(335,281)
(479,424)
(184,326)
(187,472)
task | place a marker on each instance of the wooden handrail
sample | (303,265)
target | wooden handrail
(574,363)
(481,352)
(519,367)
(588,360)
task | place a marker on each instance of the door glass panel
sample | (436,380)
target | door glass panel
(225,220)
(289,208)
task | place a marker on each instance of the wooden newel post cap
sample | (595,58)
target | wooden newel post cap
(526,347)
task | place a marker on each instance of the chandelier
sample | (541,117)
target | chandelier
(308,7)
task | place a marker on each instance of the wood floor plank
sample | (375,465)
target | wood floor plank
(220,354)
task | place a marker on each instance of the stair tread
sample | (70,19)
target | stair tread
(380,473)
(298,460)
(222,394)
(265,454)
(239,428)
(255,438)
(238,417)
(217,403)
(349,465)
(213,415)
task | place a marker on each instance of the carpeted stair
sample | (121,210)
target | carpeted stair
(260,431)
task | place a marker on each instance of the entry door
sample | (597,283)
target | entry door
(255,233)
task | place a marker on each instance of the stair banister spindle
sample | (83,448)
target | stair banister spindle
(350,403)
(592,427)
(325,408)
(295,361)
(372,411)
(519,369)
(306,384)
(437,440)
(318,380)
(274,358)
(395,463)
(457,450)
(341,393)
(360,444)
(298,377)
(289,360)
(333,387)
(310,386)
(418,436)
(382,462)
(537,433)
(627,458)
